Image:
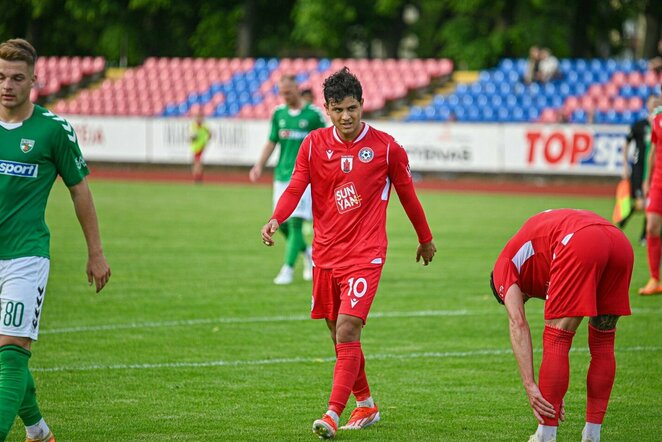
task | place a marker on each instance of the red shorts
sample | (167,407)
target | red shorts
(654,201)
(347,291)
(591,274)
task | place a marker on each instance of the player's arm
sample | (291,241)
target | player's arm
(97,270)
(256,171)
(520,339)
(290,198)
(404,187)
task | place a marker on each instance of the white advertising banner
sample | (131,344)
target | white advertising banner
(112,139)
(432,147)
(448,147)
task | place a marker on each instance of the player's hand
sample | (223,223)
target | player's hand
(98,271)
(646,187)
(425,251)
(562,412)
(268,231)
(539,404)
(255,173)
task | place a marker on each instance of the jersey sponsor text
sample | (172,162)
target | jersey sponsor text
(346,198)
(15,168)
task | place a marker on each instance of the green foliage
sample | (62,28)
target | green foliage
(474,33)
(191,341)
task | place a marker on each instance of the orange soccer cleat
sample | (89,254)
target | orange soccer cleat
(362,417)
(325,427)
(48,438)
(652,287)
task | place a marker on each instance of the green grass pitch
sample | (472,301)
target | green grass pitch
(191,341)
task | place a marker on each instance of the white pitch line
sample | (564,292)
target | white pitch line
(262,319)
(236,320)
(298,360)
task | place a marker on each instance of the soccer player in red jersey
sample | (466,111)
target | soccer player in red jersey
(581,265)
(350,167)
(653,191)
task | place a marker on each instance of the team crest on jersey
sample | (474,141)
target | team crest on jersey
(346,163)
(26,145)
(347,198)
(366,155)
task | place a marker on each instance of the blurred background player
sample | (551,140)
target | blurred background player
(200,136)
(653,193)
(350,168)
(640,133)
(581,265)
(290,123)
(37,146)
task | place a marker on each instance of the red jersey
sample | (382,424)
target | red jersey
(527,257)
(656,139)
(351,185)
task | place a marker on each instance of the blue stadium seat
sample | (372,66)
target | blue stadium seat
(579,116)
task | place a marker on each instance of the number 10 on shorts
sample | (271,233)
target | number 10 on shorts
(357,287)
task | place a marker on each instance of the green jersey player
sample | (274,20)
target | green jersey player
(290,124)
(35,147)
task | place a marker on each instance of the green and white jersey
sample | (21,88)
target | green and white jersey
(32,154)
(288,128)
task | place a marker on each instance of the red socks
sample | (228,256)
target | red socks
(653,249)
(345,373)
(601,371)
(361,389)
(555,368)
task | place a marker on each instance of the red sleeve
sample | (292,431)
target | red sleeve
(400,176)
(300,180)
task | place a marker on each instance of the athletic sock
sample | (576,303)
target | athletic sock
(591,432)
(369,402)
(555,369)
(653,250)
(344,374)
(13,381)
(601,373)
(29,409)
(546,433)
(361,389)
(295,241)
(38,430)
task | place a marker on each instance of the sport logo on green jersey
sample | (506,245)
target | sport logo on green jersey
(26,145)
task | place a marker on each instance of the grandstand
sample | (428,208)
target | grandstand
(243,88)
(588,91)
(596,90)
(60,76)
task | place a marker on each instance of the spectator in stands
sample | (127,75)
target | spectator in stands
(533,65)
(640,133)
(200,135)
(307,95)
(655,63)
(548,69)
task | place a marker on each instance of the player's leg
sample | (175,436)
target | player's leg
(574,277)
(36,428)
(286,273)
(601,373)
(613,301)
(21,301)
(654,224)
(296,243)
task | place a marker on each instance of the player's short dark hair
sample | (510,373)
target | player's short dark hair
(18,49)
(494,290)
(341,85)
